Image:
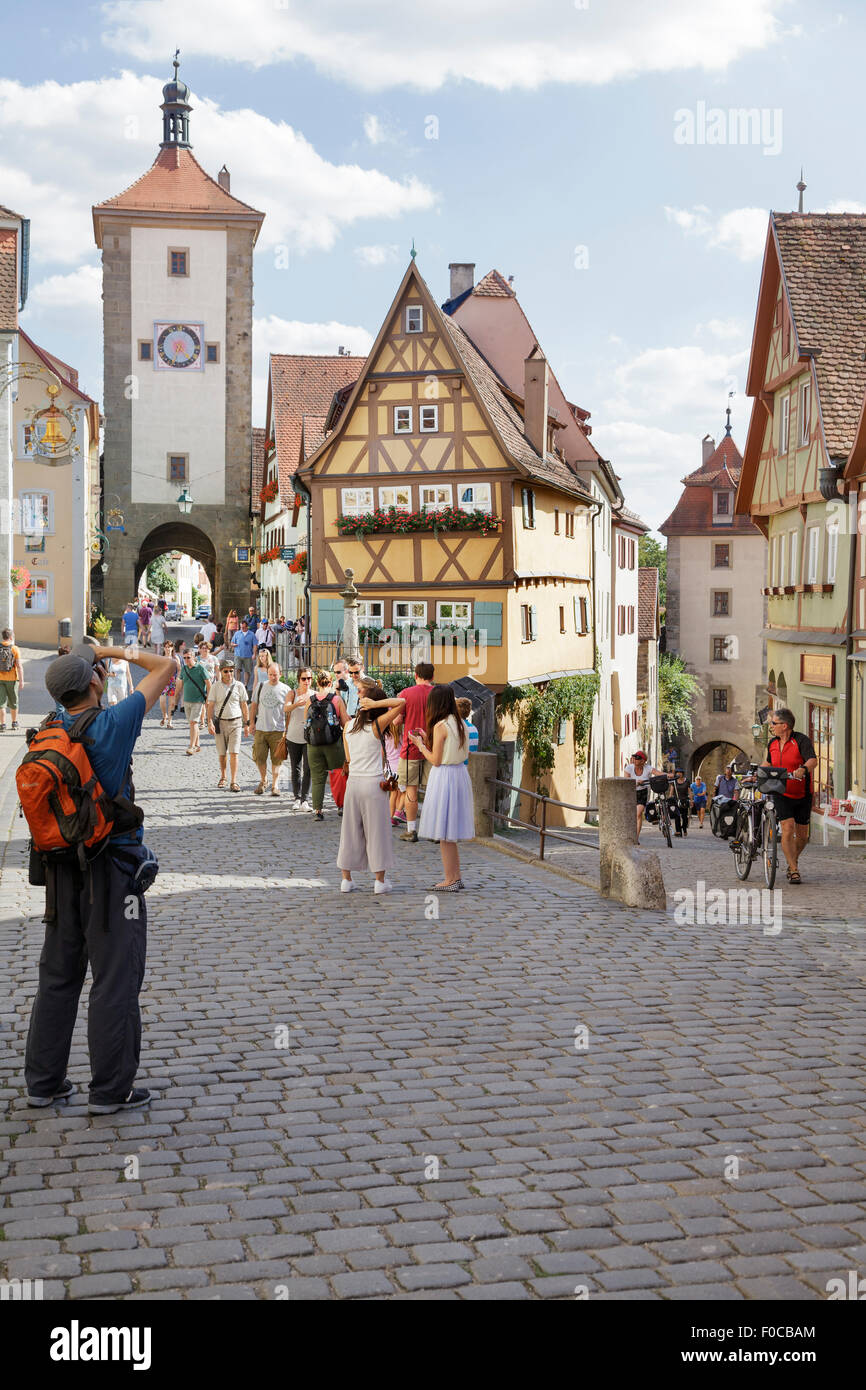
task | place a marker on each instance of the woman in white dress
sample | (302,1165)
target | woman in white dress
(119,682)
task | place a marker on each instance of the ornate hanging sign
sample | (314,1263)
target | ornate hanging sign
(53,429)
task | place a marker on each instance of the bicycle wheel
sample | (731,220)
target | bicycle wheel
(770,844)
(665,823)
(744,845)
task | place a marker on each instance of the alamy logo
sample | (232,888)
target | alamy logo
(739,125)
(736,907)
(77,1343)
(855,1288)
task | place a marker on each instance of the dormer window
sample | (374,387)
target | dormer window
(414,319)
(722,510)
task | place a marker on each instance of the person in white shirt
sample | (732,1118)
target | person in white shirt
(227,702)
(639,770)
(158,629)
(208,631)
(268,719)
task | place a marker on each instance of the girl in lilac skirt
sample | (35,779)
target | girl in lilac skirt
(446,814)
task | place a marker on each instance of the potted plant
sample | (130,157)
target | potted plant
(19,578)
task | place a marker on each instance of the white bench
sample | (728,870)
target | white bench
(852,823)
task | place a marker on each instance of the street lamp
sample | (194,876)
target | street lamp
(184,501)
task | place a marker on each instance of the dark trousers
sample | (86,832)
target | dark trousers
(111,933)
(300,770)
(679,813)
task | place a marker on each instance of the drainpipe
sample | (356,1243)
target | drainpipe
(598,508)
(853,498)
(308,614)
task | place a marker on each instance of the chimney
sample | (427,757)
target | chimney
(224,179)
(535,393)
(462,277)
(708,446)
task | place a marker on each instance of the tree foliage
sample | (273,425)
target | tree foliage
(160,579)
(540,712)
(677,689)
(653,555)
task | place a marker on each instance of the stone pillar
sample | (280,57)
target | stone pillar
(349,596)
(629,874)
(482,766)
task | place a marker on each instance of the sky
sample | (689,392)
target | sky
(618,159)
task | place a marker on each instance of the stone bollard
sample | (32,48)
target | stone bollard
(629,874)
(482,766)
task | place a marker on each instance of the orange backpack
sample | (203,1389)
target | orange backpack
(67,810)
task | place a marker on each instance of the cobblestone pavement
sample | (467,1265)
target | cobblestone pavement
(436,1127)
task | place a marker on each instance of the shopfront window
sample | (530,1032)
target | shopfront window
(822,734)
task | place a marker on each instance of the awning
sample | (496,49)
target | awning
(805,639)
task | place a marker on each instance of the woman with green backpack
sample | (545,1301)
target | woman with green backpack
(323,735)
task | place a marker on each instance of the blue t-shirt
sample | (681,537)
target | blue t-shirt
(114,732)
(699,789)
(130,622)
(473,739)
(244,643)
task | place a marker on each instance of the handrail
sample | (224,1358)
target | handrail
(541,830)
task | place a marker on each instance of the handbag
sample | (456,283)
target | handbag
(338,779)
(216,723)
(281,752)
(389,779)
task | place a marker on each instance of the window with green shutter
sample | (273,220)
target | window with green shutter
(488,618)
(330,618)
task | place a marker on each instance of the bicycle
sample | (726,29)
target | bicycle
(756,828)
(657,805)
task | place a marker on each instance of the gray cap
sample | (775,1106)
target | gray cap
(227,665)
(68,673)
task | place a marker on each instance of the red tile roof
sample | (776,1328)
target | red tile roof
(8,280)
(257,467)
(694,510)
(626,517)
(725,456)
(495,285)
(647,602)
(176,182)
(68,375)
(303,385)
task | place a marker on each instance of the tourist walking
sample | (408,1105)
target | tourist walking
(260,670)
(118,683)
(228,714)
(194,687)
(129,623)
(699,798)
(243,645)
(365,834)
(323,736)
(267,726)
(158,630)
(145,614)
(11,679)
(447,814)
(167,695)
(298,706)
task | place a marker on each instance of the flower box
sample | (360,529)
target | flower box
(393,522)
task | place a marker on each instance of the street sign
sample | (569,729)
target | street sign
(242,554)
(287,553)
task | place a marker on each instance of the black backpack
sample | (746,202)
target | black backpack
(7,657)
(323,725)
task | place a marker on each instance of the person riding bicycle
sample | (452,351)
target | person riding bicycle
(679,797)
(795,753)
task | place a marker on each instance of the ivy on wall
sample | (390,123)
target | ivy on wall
(539,713)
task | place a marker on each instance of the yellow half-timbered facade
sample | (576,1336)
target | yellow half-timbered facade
(451,506)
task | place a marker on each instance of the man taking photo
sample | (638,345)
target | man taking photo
(99,914)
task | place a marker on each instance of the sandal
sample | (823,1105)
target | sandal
(234,787)
(221,782)
(793,876)
(259,790)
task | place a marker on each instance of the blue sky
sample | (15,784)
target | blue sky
(636,257)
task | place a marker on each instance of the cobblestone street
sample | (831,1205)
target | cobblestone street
(440,1125)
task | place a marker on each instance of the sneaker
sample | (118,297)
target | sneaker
(384,887)
(134,1101)
(39,1102)
(346,885)
(307,806)
(14,726)
(411,836)
(320,815)
(298,806)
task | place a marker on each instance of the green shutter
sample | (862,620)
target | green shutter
(330,618)
(533,623)
(489,617)
(576,602)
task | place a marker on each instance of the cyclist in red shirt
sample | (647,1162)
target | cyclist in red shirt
(795,753)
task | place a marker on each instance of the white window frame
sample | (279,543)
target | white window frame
(356,508)
(719,515)
(411,619)
(783,557)
(368,619)
(785,424)
(832,550)
(438,503)
(48,611)
(48,528)
(805,411)
(463,620)
(433,426)
(475,505)
(412,309)
(25,441)
(388,497)
(794,559)
(771,561)
(407,411)
(812,534)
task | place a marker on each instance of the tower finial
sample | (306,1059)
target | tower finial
(175,110)
(731,394)
(413,253)
(801,189)
(176,62)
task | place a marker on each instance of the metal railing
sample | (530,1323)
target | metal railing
(322,653)
(544,831)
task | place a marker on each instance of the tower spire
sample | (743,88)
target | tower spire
(728,414)
(801,189)
(175,111)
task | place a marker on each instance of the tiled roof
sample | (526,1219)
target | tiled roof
(507,422)
(824,266)
(68,375)
(694,510)
(8,280)
(176,182)
(494,284)
(314,431)
(647,601)
(257,468)
(7,212)
(726,455)
(628,518)
(303,384)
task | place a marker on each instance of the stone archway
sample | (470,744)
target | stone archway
(179,535)
(710,759)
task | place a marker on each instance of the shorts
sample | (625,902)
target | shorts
(193,712)
(411,772)
(228,740)
(9,694)
(798,808)
(267,741)
(642,794)
(700,803)
(130,638)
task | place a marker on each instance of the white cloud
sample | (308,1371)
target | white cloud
(842,205)
(742,231)
(501,44)
(725,330)
(376,255)
(373,130)
(77,144)
(273,334)
(80,289)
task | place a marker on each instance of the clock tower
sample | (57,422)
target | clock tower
(177,258)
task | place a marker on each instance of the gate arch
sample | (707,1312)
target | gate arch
(183,536)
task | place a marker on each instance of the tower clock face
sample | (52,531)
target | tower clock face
(179,345)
